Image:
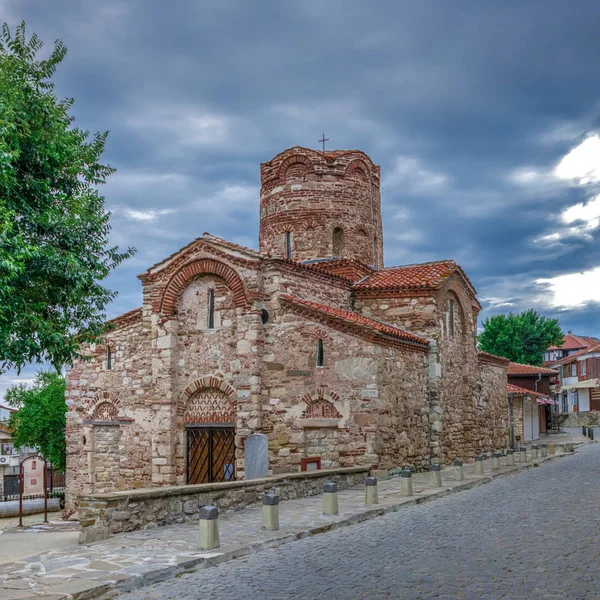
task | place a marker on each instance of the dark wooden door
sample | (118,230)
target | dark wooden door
(210,454)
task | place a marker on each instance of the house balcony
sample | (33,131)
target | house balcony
(569,381)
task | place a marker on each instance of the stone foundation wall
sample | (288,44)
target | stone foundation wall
(103,515)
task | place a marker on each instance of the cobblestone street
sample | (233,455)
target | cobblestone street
(531,535)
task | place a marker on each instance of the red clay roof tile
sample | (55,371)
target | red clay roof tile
(519,391)
(520,369)
(358,319)
(573,342)
(420,276)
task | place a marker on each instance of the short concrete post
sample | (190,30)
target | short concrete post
(458,470)
(406,482)
(544,450)
(517,456)
(495,461)
(208,530)
(551,449)
(561,447)
(479,465)
(436,475)
(270,512)
(371,495)
(523,453)
(534,451)
(330,499)
(510,458)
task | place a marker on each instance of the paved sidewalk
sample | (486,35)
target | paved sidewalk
(132,560)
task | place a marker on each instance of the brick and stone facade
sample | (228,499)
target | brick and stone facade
(324,351)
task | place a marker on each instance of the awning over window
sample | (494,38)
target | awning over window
(588,383)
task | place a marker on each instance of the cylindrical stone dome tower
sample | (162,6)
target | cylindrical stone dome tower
(318,205)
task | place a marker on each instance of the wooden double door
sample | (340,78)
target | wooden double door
(210,453)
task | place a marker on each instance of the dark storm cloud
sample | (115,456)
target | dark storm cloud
(467,107)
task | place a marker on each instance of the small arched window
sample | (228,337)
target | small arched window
(338,241)
(108,358)
(211,308)
(288,244)
(320,353)
(452,318)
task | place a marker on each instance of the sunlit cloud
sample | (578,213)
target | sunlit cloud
(582,163)
(147,215)
(572,290)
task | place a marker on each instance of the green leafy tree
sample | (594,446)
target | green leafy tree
(521,337)
(40,419)
(53,224)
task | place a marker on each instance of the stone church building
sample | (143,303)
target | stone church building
(310,340)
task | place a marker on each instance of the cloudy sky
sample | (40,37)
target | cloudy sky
(484,117)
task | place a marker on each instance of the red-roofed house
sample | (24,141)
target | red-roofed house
(572,344)
(309,341)
(529,400)
(578,388)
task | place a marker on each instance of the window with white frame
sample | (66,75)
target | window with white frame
(574,370)
(583,367)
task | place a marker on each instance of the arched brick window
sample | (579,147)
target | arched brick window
(320,353)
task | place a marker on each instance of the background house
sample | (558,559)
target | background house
(529,400)
(571,345)
(578,389)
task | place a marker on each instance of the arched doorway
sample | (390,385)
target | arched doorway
(209,421)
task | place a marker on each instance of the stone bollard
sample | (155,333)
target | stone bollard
(371,495)
(270,512)
(510,458)
(517,456)
(208,530)
(523,453)
(330,499)
(406,482)
(436,475)
(561,447)
(534,451)
(544,450)
(458,470)
(495,461)
(479,465)
(551,449)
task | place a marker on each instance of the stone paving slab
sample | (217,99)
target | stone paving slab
(131,560)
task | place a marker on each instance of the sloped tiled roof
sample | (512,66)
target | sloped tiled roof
(358,319)
(568,359)
(519,391)
(573,342)
(411,277)
(520,369)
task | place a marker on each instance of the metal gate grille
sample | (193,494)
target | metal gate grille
(210,454)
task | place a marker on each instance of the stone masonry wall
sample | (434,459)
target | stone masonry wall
(328,201)
(359,408)
(492,424)
(120,395)
(103,515)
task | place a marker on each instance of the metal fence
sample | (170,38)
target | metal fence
(55,488)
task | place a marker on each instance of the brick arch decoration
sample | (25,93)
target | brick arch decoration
(320,333)
(203,384)
(319,407)
(196,268)
(105,411)
(100,398)
(358,168)
(295,159)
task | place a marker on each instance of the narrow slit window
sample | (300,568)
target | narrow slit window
(288,244)
(211,308)
(320,353)
(108,359)
(451,319)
